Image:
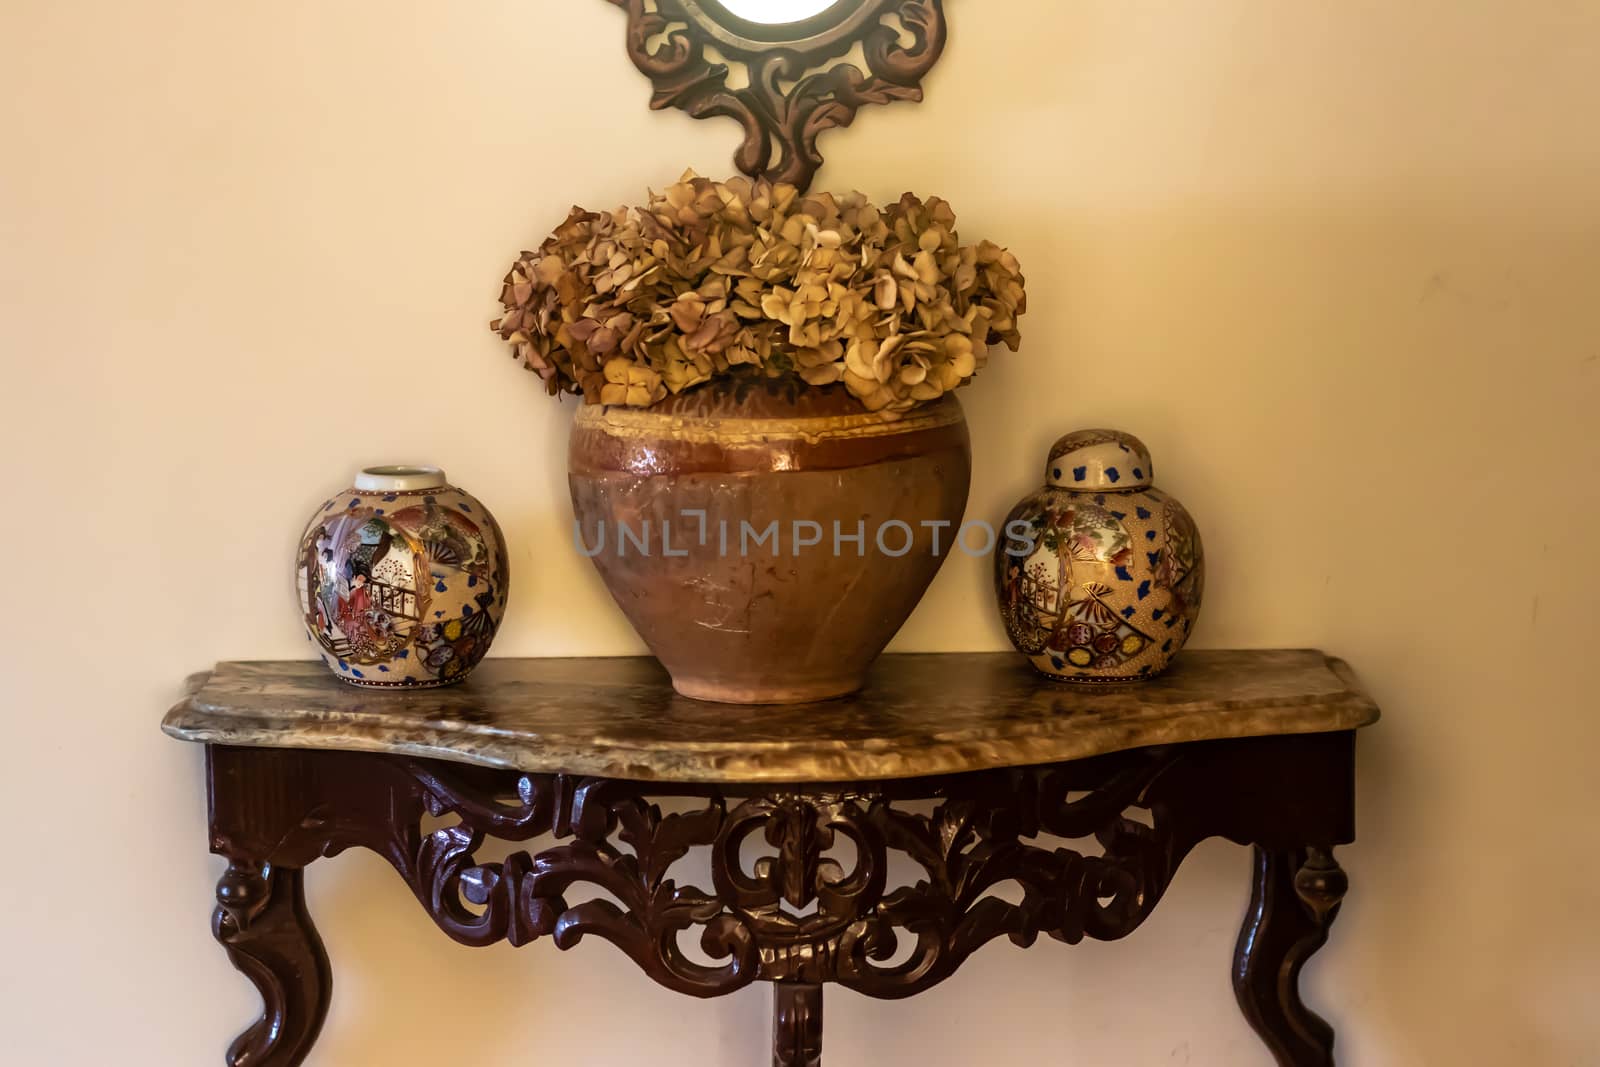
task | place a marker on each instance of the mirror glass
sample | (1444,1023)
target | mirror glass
(776,12)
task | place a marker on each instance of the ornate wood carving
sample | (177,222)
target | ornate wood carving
(796,80)
(795,914)
(800,889)
(1295,898)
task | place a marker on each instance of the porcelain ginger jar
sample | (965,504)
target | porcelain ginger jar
(1099,574)
(402,579)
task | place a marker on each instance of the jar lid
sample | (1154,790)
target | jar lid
(400,479)
(1099,461)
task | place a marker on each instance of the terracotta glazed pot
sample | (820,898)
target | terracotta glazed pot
(1099,575)
(699,479)
(402,579)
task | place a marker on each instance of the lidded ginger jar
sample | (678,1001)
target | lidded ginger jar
(1098,573)
(402,579)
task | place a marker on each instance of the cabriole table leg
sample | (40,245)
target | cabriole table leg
(1295,899)
(796,1024)
(261,919)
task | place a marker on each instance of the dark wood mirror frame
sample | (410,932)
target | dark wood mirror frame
(796,85)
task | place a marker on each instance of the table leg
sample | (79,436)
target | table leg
(261,919)
(796,1024)
(1295,899)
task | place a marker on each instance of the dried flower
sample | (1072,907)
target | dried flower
(711,278)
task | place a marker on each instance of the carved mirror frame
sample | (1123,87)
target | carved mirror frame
(799,78)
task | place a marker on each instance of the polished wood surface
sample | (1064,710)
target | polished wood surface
(794,883)
(919,715)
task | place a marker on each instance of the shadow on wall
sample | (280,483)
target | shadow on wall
(404,993)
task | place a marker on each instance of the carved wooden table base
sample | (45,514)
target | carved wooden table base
(1093,844)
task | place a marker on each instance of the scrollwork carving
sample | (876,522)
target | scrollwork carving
(524,898)
(796,913)
(800,892)
(796,84)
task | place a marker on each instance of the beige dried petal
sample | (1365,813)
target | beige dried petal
(793,231)
(775,304)
(825,238)
(878,399)
(825,374)
(811,357)
(860,385)
(687,312)
(858,360)
(959,351)
(966,276)
(549,269)
(885,292)
(735,262)
(805,334)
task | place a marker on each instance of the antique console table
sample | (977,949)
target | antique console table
(973,767)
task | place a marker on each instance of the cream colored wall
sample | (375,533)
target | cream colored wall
(1337,262)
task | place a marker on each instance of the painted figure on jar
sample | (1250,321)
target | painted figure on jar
(355,614)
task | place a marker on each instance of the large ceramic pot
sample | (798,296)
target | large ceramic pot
(1099,574)
(766,543)
(402,579)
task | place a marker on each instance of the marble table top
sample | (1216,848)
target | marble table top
(919,715)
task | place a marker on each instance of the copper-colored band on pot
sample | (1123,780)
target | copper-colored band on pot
(649,442)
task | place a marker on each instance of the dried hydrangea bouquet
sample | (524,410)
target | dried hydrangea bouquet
(752,357)
(710,278)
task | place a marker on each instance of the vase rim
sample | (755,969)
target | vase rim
(400,478)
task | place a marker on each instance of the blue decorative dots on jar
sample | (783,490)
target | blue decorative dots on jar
(1099,575)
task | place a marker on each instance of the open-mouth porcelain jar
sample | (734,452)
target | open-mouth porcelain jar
(402,579)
